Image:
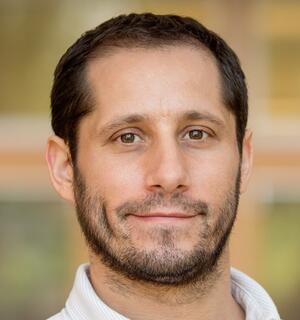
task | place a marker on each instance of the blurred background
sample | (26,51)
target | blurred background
(40,242)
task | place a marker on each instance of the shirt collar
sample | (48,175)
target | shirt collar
(252,297)
(84,304)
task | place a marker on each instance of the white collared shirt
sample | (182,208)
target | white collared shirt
(84,304)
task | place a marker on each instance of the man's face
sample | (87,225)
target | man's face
(158,167)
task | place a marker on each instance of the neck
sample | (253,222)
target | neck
(209,300)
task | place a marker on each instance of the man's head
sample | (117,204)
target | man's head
(149,114)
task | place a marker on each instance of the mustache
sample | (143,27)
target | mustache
(155,200)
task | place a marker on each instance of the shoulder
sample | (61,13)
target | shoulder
(60,316)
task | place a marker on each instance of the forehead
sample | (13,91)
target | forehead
(159,82)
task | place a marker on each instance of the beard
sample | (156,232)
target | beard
(165,264)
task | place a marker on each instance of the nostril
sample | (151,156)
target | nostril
(182,187)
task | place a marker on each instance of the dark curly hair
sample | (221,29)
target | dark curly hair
(71,98)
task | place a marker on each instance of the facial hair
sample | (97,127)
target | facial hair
(166,264)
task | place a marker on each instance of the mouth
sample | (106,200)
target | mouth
(162,217)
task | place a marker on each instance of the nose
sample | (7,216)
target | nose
(166,169)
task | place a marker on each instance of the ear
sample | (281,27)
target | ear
(60,167)
(247,160)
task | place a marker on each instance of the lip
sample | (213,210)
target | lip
(166,215)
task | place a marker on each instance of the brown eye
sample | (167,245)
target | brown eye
(128,137)
(196,134)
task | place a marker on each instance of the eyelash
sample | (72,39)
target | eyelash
(203,132)
(124,134)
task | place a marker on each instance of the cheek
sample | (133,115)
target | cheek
(214,176)
(116,178)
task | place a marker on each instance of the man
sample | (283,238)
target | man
(149,114)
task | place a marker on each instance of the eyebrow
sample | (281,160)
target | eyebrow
(122,121)
(206,116)
(138,118)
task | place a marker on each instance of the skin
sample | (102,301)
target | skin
(162,84)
